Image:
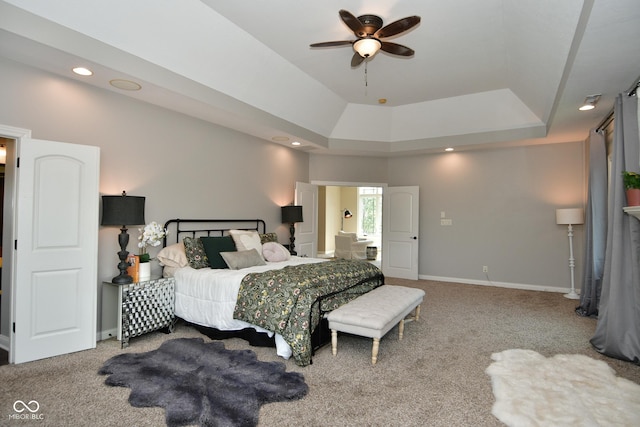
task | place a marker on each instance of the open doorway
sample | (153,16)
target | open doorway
(4,354)
(363,205)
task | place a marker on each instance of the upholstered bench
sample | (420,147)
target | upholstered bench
(374,314)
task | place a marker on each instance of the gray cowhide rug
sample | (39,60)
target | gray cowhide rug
(202,383)
(563,390)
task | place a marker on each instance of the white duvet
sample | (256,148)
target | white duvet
(207,297)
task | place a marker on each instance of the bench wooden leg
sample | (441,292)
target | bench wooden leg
(401,329)
(374,350)
(334,342)
(418,312)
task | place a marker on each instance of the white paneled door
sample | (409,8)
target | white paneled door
(56,245)
(307,231)
(400,232)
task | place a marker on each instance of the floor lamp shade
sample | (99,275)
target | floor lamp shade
(569,216)
(121,211)
(290,215)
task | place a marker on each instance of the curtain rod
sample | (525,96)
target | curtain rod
(634,87)
(609,118)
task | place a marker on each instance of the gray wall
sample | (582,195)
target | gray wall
(502,205)
(185,167)
(502,202)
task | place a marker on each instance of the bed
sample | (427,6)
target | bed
(233,276)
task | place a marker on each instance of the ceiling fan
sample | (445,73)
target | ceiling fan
(369,30)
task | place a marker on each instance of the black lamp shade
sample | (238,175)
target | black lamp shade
(291,214)
(347,213)
(122,210)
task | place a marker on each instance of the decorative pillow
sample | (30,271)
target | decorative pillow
(173,256)
(242,259)
(247,239)
(275,252)
(213,246)
(195,252)
(268,237)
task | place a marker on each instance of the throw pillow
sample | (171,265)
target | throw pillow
(173,256)
(195,253)
(268,237)
(275,252)
(213,246)
(246,240)
(242,259)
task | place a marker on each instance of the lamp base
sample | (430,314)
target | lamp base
(572,295)
(122,279)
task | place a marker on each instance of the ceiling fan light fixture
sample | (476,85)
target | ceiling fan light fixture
(367,47)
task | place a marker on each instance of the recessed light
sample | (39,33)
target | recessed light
(82,71)
(590,102)
(280,138)
(448,149)
(125,84)
(295,143)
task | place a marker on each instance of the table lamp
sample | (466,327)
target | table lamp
(290,215)
(122,211)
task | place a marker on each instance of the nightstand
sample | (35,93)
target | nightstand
(144,307)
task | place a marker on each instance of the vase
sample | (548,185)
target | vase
(144,273)
(633,197)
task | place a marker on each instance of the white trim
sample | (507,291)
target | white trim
(349,184)
(14,132)
(108,334)
(10,190)
(524,286)
(4,342)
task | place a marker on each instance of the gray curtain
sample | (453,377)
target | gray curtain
(595,226)
(618,329)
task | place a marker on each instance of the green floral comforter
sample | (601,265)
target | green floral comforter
(287,301)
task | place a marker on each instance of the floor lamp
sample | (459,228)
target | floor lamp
(570,217)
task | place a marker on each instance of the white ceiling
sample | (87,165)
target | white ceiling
(485,74)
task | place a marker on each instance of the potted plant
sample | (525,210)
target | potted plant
(631,182)
(151,235)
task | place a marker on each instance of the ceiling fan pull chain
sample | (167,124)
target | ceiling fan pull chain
(366,77)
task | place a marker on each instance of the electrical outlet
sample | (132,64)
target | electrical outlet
(446,222)
(485,269)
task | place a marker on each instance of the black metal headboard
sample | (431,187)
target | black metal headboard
(180,228)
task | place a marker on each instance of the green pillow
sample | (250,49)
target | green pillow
(214,245)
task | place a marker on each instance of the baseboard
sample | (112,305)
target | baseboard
(5,342)
(108,334)
(524,286)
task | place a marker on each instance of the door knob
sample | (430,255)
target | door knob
(415,237)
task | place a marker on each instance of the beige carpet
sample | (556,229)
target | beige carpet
(435,376)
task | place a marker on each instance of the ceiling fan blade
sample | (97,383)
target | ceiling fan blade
(330,44)
(397,27)
(356,59)
(353,23)
(396,49)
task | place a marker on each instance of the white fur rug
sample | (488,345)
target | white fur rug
(563,390)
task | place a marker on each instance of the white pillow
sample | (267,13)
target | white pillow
(275,252)
(246,240)
(173,256)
